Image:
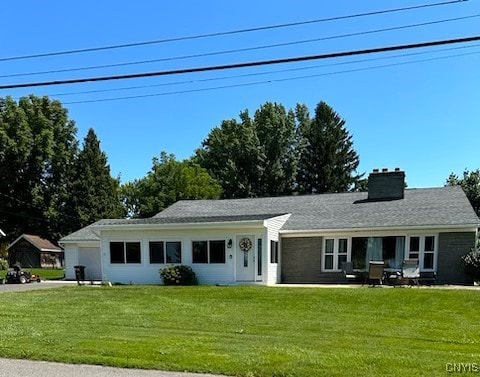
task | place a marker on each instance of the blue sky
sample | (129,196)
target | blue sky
(418,112)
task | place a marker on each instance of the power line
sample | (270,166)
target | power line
(246,64)
(255,48)
(265,73)
(265,81)
(231,32)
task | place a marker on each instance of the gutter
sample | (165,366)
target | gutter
(203,225)
(465,227)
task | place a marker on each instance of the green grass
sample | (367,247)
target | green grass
(45,273)
(247,331)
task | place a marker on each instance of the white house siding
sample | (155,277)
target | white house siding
(72,258)
(273,269)
(147,273)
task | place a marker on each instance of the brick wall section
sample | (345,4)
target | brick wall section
(451,246)
(301,259)
(387,185)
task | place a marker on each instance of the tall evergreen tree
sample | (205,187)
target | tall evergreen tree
(94,193)
(327,159)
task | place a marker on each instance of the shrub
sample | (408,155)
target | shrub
(3,264)
(178,275)
(471,264)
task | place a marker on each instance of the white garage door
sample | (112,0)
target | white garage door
(90,258)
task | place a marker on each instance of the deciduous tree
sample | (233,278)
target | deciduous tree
(470,182)
(37,150)
(168,181)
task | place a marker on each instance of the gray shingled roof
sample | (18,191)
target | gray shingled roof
(443,206)
(84,234)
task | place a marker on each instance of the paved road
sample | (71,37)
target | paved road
(9,368)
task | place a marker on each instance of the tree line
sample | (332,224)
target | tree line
(52,186)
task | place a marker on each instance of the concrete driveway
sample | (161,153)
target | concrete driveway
(9,368)
(30,286)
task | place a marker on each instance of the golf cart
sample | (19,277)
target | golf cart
(17,276)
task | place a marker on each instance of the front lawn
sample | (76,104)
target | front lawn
(44,273)
(247,331)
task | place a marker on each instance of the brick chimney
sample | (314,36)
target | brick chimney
(386,185)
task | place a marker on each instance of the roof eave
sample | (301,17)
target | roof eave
(204,225)
(465,227)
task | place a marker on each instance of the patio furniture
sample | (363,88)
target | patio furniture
(348,273)
(376,272)
(411,271)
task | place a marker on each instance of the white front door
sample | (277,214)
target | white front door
(245,256)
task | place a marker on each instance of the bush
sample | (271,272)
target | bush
(3,264)
(471,264)
(178,275)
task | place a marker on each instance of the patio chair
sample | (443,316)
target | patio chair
(376,271)
(348,273)
(411,271)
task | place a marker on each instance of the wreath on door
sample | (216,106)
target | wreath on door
(245,244)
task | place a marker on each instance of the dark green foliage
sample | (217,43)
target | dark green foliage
(37,149)
(471,264)
(167,182)
(328,159)
(471,186)
(94,193)
(232,154)
(275,128)
(3,264)
(281,152)
(178,275)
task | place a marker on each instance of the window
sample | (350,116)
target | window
(423,249)
(259,257)
(335,252)
(208,252)
(429,253)
(389,249)
(132,252)
(414,247)
(157,254)
(173,251)
(217,251)
(200,253)
(165,252)
(125,252)
(273,251)
(116,252)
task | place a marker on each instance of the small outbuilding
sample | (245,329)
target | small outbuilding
(33,251)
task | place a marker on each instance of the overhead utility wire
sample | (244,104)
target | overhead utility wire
(267,73)
(243,49)
(245,64)
(231,32)
(265,81)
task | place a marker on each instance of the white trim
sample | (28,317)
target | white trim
(389,230)
(214,225)
(335,254)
